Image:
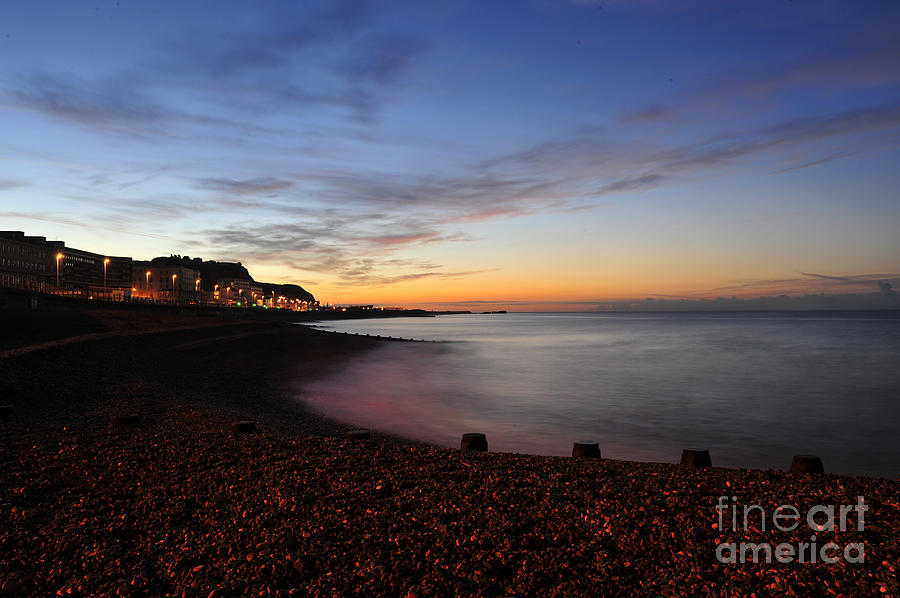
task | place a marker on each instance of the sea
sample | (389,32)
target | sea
(754,388)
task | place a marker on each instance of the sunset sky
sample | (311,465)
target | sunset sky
(543,154)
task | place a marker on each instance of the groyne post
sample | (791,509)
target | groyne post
(474,442)
(586,449)
(807,464)
(696,458)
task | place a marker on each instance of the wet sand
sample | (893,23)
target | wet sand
(180,506)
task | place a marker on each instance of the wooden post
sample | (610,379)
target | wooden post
(696,458)
(474,442)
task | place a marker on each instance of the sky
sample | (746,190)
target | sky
(543,154)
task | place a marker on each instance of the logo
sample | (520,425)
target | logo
(787,518)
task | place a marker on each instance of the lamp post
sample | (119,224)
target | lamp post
(174,296)
(147,278)
(105,263)
(59,256)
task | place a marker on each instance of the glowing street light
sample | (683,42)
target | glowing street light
(105,263)
(59,256)
(174,276)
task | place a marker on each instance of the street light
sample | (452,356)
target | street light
(59,256)
(174,298)
(148,283)
(105,263)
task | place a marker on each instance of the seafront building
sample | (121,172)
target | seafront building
(36,265)
(25,262)
(257,295)
(165,283)
(233,291)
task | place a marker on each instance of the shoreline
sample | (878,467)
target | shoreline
(179,504)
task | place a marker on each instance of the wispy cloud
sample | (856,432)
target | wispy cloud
(315,62)
(372,279)
(57,219)
(257,96)
(807,282)
(358,248)
(374,213)
(636,183)
(9,184)
(255,186)
(812,163)
(610,165)
(381,59)
(859,68)
(827,277)
(109,108)
(115,106)
(864,68)
(648,114)
(329,59)
(227,54)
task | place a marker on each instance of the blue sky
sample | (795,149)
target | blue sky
(430,153)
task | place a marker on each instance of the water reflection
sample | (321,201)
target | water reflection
(754,390)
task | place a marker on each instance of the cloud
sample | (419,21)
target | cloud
(120,106)
(356,246)
(609,165)
(227,54)
(304,66)
(108,107)
(364,278)
(819,162)
(381,59)
(321,60)
(340,64)
(255,186)
(390,240)
(647,114)
(9,184)
(637,183)
(346,213)
(807,283)
(57,219)
(826,277)
(866,66)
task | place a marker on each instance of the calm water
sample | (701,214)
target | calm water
(754,388)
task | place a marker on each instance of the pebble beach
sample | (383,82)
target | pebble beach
(120,475)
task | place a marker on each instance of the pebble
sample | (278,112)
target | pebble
(181,506)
